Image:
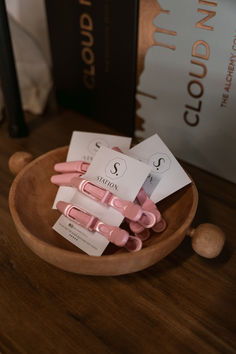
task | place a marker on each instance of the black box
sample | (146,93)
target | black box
(94,51)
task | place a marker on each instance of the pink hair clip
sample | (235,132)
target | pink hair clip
(147,204)
(113,234)
(69,170)
(72,166)
(128,209)
(76,169)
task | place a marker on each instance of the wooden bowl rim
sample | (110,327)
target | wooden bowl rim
(63,252)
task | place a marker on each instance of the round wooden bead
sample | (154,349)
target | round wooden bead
(207,240)
(19,160)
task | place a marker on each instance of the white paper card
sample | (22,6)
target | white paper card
(167,176)
(122,176)
(83,146)
(80,237)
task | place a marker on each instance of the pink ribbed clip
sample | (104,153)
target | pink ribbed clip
(72,166)
(113,234)
(69,170)
(147,204)
(128,209)
(74,169)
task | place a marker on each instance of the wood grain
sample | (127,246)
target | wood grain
(34,219)
(183,304)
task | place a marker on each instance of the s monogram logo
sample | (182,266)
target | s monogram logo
(116,168)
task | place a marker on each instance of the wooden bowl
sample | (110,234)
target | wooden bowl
(30,201)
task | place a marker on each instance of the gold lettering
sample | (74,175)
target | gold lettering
(201,50)
(197,45)
(89,36)
(197,109)
(87,42)
(87,55)
(204,71)
(194,122)
(89,81)
(224,101)
(199,84)
(210,14)
(86,22)
(208,3)
(85,2)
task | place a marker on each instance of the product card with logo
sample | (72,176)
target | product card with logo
(118,173)
(167,176)
(83,146)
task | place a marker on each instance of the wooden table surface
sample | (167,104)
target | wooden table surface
(183,304)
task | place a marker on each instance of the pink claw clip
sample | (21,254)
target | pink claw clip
(132,211)
(69,170)
(113,234)
(147,204)
(160,226)
(143,235)
(72,166)
(64,179)
(75,169)
(128,209)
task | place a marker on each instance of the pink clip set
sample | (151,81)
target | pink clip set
(140,215)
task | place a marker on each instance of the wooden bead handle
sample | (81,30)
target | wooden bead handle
(19,160)
(207,240)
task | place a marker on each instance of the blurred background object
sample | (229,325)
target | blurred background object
(33,69)
(94,51)
(31,15)
(140,67)
(32,56)
(31,62)
(9,81)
